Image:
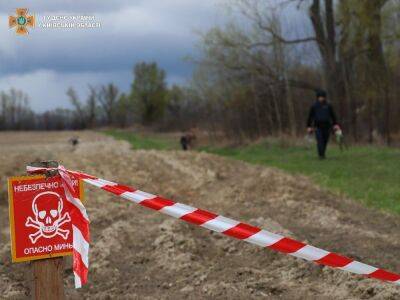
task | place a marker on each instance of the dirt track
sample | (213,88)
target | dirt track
(141,254)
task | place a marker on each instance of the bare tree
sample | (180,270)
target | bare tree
(91,107)
(108,98)
(15,112)
(80,114)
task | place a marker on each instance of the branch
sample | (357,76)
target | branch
(258,19)
(285,41)
(281,38)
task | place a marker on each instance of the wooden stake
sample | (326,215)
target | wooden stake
(48,279)
(48,273)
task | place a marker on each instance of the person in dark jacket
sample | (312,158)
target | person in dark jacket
(184,142)
(321,119)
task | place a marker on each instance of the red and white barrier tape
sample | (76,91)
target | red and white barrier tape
(239,230)
(80,226)
(201,218)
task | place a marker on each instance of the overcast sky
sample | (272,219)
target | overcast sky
(48,61)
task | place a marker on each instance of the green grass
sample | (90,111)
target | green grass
(140,141)
(366,173)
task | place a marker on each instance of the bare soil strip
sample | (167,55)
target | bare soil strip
(139,254)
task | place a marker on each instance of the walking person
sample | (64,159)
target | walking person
(321,119)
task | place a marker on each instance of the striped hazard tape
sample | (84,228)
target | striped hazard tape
(80,226)
(226,226)
(239,230)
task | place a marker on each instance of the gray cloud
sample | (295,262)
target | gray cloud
(49,60)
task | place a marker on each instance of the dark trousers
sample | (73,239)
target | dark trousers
(322,135)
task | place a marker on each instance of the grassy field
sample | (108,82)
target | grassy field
(141,141)
(369,174)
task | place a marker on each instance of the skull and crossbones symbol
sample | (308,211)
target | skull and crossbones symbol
(47,208)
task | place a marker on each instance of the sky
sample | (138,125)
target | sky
(49,60)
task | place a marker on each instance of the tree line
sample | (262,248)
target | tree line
(258,73)
(150,102)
